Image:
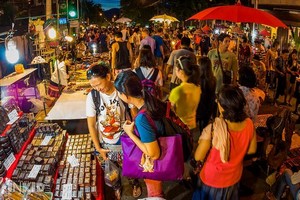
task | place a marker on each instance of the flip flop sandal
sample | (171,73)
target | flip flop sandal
(118,194)
(136,191)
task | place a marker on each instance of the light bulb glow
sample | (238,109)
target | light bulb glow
(12,56)
(52,33)
(72,13)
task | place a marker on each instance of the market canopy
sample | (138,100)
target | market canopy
(123,20)
(238,13)
(264,33)
(164,18)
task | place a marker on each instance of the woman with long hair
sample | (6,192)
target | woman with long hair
(292,73)
(207,105)
(131,91)
(186,97)
(146,68)
(226,141)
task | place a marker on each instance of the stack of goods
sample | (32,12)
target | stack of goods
(26,123)
(3,119)
(40,159)
(18,133)
(7,108)
(14,138)
(10,104)
(83,176)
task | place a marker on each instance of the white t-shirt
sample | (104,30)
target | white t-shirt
(62,78)
(147,72)
(111,117)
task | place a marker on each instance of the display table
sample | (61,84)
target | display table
(69,106)
(14,77)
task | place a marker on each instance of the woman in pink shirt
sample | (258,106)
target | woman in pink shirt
(225,142)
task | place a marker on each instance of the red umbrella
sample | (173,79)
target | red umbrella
(264,33)
(206,29)
(239,13)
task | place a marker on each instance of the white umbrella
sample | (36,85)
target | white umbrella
(123,20)
(164,18)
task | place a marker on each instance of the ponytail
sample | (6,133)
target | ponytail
(194,76)
(191,70)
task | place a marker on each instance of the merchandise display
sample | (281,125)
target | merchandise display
(9,104)
(3,119)
(78,168)
(40,159)
(13,138)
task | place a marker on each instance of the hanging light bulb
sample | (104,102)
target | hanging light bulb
(12,54)
(52,33)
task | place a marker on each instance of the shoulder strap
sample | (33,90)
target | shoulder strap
(154,75)
(97,101)
(139,73)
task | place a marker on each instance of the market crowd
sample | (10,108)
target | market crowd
(214,84)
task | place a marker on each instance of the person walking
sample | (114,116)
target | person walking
(207,106)
(121,55)
(147,40)
(224,62)
(186,97)
(159,49)
(224,143)
(185,50)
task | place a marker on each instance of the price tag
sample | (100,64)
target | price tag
(13,116)
(46,140)
(9,161)
(34,171)
(67,192)
(73,161)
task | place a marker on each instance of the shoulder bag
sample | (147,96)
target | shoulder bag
(169,167)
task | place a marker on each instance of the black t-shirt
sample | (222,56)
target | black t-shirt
(122,56)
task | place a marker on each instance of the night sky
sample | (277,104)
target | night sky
(108,4)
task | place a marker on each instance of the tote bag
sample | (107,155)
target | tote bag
(168,167)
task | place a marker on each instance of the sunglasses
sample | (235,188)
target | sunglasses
(179,60)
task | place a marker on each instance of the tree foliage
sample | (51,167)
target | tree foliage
(92,11)
(141,10)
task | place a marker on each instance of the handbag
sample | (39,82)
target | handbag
(169,166)
(226,73)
